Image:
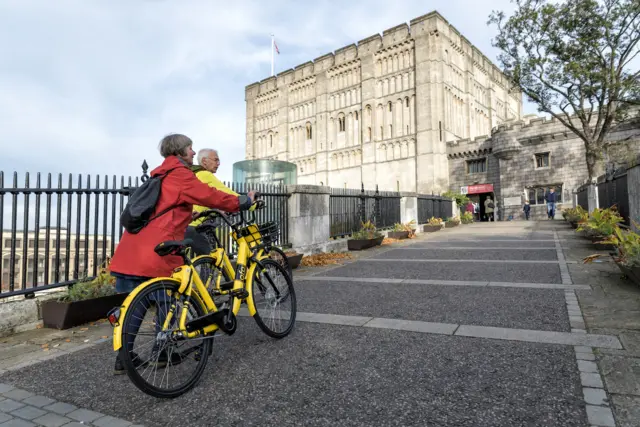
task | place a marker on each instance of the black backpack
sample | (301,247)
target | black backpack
(142,203)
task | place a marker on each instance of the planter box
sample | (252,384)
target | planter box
(65,315)
(632,273)
(602,246)
(358,245)
(450,225)
(294,260)
(431,228)
(398,235)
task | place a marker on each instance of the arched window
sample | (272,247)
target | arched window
(309,131)
(271,141)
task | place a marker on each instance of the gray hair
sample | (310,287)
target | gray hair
(204,153)
(174,144)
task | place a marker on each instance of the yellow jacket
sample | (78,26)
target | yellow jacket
(210,179)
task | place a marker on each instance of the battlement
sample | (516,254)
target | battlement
(479,146)
(430,24)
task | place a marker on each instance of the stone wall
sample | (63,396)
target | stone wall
(512,167)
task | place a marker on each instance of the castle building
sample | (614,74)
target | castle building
(418,109)
(382,111)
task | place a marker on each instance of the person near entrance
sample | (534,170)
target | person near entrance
(489,206)
(551,198)
(527,209)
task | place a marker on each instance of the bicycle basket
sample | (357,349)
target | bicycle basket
(256,234)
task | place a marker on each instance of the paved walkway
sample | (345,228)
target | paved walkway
(494,324)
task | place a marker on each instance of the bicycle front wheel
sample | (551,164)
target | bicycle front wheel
(157,363)
(274,299)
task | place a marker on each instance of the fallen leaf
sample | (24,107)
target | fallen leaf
(388,241)
(67,340)
(105,337)
(318,260)
(86,340)
(84,329)
(56,345)
(39,326)
(45,345)
(46,349)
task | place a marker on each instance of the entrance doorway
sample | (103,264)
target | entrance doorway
(478,193)
(483,214)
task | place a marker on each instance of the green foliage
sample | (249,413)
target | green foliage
(460,198)
(454,220)
(467,218)
(367,231)
(628,244)
(577,214)
(102,285)
(409,226)
(435,221)
(574,57)
(601,222)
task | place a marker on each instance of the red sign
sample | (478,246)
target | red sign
(478,189)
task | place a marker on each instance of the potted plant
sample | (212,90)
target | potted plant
(467,218)
(575,215)
(402,231)
(86,301)
(627,257)
(601,224)
(433,225)
(368,236)
(294,258)
(452,222)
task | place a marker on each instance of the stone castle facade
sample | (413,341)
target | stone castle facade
(418,109)
(382,111)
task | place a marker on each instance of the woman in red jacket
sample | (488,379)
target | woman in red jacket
(135,260)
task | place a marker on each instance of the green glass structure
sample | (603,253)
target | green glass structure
(274,172)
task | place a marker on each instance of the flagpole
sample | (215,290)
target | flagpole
(272,57)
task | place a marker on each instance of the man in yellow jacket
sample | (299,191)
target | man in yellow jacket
(208,163)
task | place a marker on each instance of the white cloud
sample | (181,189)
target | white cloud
(92,86)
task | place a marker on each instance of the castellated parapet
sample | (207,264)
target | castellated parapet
(380,111)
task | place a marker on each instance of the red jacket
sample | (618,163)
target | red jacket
(134,254)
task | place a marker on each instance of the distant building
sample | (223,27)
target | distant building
(47,258)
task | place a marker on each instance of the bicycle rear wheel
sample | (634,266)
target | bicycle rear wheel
(159,365)
(274,298)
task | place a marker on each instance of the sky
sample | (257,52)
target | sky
(91,86)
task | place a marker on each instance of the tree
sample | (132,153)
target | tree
(573,58)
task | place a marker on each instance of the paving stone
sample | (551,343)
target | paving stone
(591,380)
(17,394)
(52,420)
(38,401)
(4,417)
(582,349)
(620,374)
(109,421)
(585,356)
(16,422)
(6,387)
(595,396)
(28,412)
(84,415)
(626,409)
(587,366)
(60,408)
(9,405)
(600,416)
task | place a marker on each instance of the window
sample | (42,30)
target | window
(536,194)
(309,131)
(477,166)
(341,125)
(389,105)
(542,160)
(270,141)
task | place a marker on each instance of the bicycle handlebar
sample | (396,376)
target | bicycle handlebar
(216,213)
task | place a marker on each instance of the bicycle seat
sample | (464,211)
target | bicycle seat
(172,246)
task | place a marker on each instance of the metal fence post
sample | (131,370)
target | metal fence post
(376,208)
(363,205)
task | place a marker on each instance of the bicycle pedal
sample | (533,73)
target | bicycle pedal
(239,293)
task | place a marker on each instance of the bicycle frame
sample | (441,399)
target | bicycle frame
(187,277)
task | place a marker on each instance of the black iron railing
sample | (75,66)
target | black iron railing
(349,208)
(613,191)
(57,231)
(433,206)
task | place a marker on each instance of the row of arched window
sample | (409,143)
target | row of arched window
(344,79)
(394,61)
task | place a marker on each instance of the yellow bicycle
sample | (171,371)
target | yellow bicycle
(179,317)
